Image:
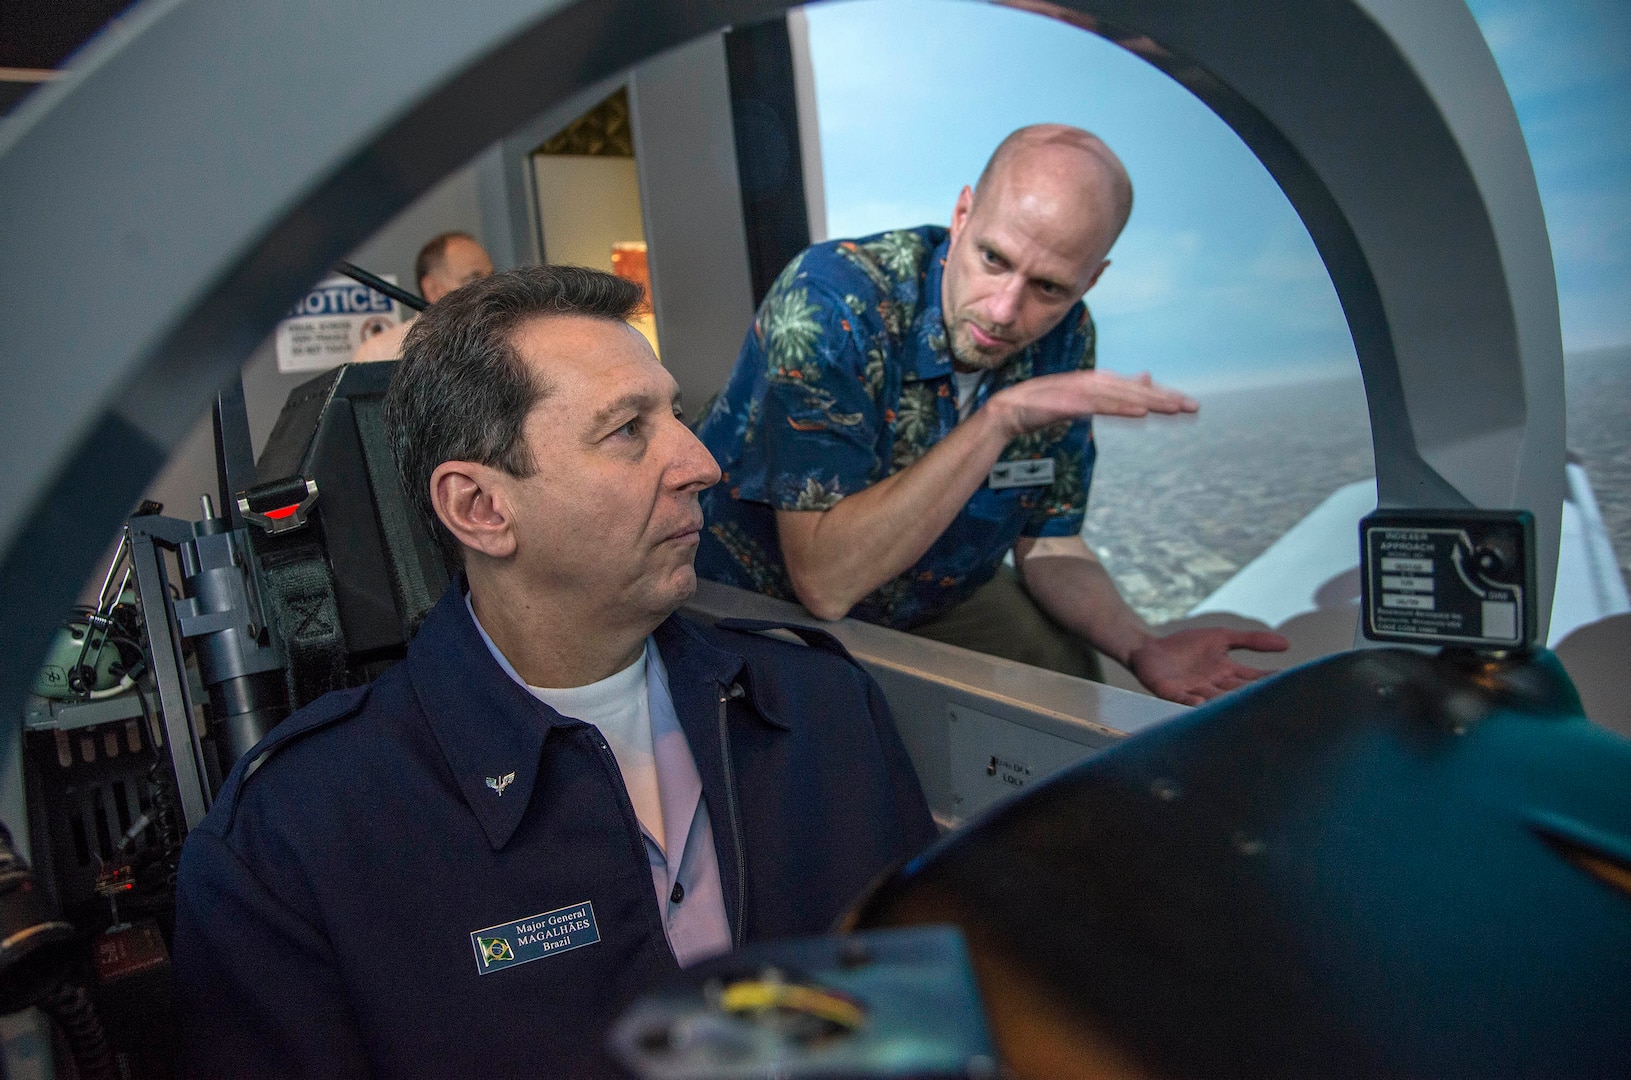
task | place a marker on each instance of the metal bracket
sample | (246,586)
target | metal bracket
(176,705)
(268,506)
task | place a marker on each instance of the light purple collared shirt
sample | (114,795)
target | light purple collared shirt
(689,894)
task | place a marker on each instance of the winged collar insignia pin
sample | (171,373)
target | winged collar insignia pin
(499,783)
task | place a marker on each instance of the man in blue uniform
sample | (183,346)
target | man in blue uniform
(911,407)
(565,791)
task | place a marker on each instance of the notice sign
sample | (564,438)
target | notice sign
(1463,577)
(328,324)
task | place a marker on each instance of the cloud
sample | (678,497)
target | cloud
(857,218)
(1140,279)
(1591,231)
(1595,316)
(1281,265)
(1282,285)
(1568,67)
(1548,48)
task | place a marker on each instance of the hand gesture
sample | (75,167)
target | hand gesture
(1049,399)
(1193,666)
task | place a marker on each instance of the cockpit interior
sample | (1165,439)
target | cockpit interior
(1405,851)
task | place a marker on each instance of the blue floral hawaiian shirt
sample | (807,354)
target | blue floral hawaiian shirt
(845,379)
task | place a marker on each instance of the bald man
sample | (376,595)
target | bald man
(910,408)
(445,263)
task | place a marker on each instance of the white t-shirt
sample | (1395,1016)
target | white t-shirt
(620,706)
(968,383)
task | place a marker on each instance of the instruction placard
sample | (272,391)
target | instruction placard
(1434,580)
(330,321)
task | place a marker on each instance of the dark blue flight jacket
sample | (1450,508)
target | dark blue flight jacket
(332,904)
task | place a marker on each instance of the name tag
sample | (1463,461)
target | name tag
(1011,474)
(534,937)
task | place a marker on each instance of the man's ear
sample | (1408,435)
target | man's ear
(960,211)
(1094,280)
(471,501)
(431,287)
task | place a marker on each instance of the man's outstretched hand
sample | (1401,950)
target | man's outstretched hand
(1070,395)
(1193,666)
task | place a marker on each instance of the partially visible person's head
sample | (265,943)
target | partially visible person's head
(449,261)
(534,428)
(1029,239)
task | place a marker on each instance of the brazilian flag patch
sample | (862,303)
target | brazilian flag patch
(494,949)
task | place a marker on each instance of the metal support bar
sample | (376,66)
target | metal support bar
(164,659)
(381,286)
(43,714)
(234,450)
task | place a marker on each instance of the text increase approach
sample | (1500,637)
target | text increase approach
(1449,577)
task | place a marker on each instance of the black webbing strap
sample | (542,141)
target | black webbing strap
(298,595)
(396,518)
(304,612)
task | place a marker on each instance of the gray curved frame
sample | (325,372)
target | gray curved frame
(206,160)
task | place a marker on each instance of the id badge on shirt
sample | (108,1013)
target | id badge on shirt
(534,937)
(1035,472)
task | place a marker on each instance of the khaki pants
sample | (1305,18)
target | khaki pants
(1001,619)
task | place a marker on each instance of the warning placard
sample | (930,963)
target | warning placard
(328,324)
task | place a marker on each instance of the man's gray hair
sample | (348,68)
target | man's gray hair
(462,392)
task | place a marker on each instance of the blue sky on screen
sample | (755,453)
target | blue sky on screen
(1215,282)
